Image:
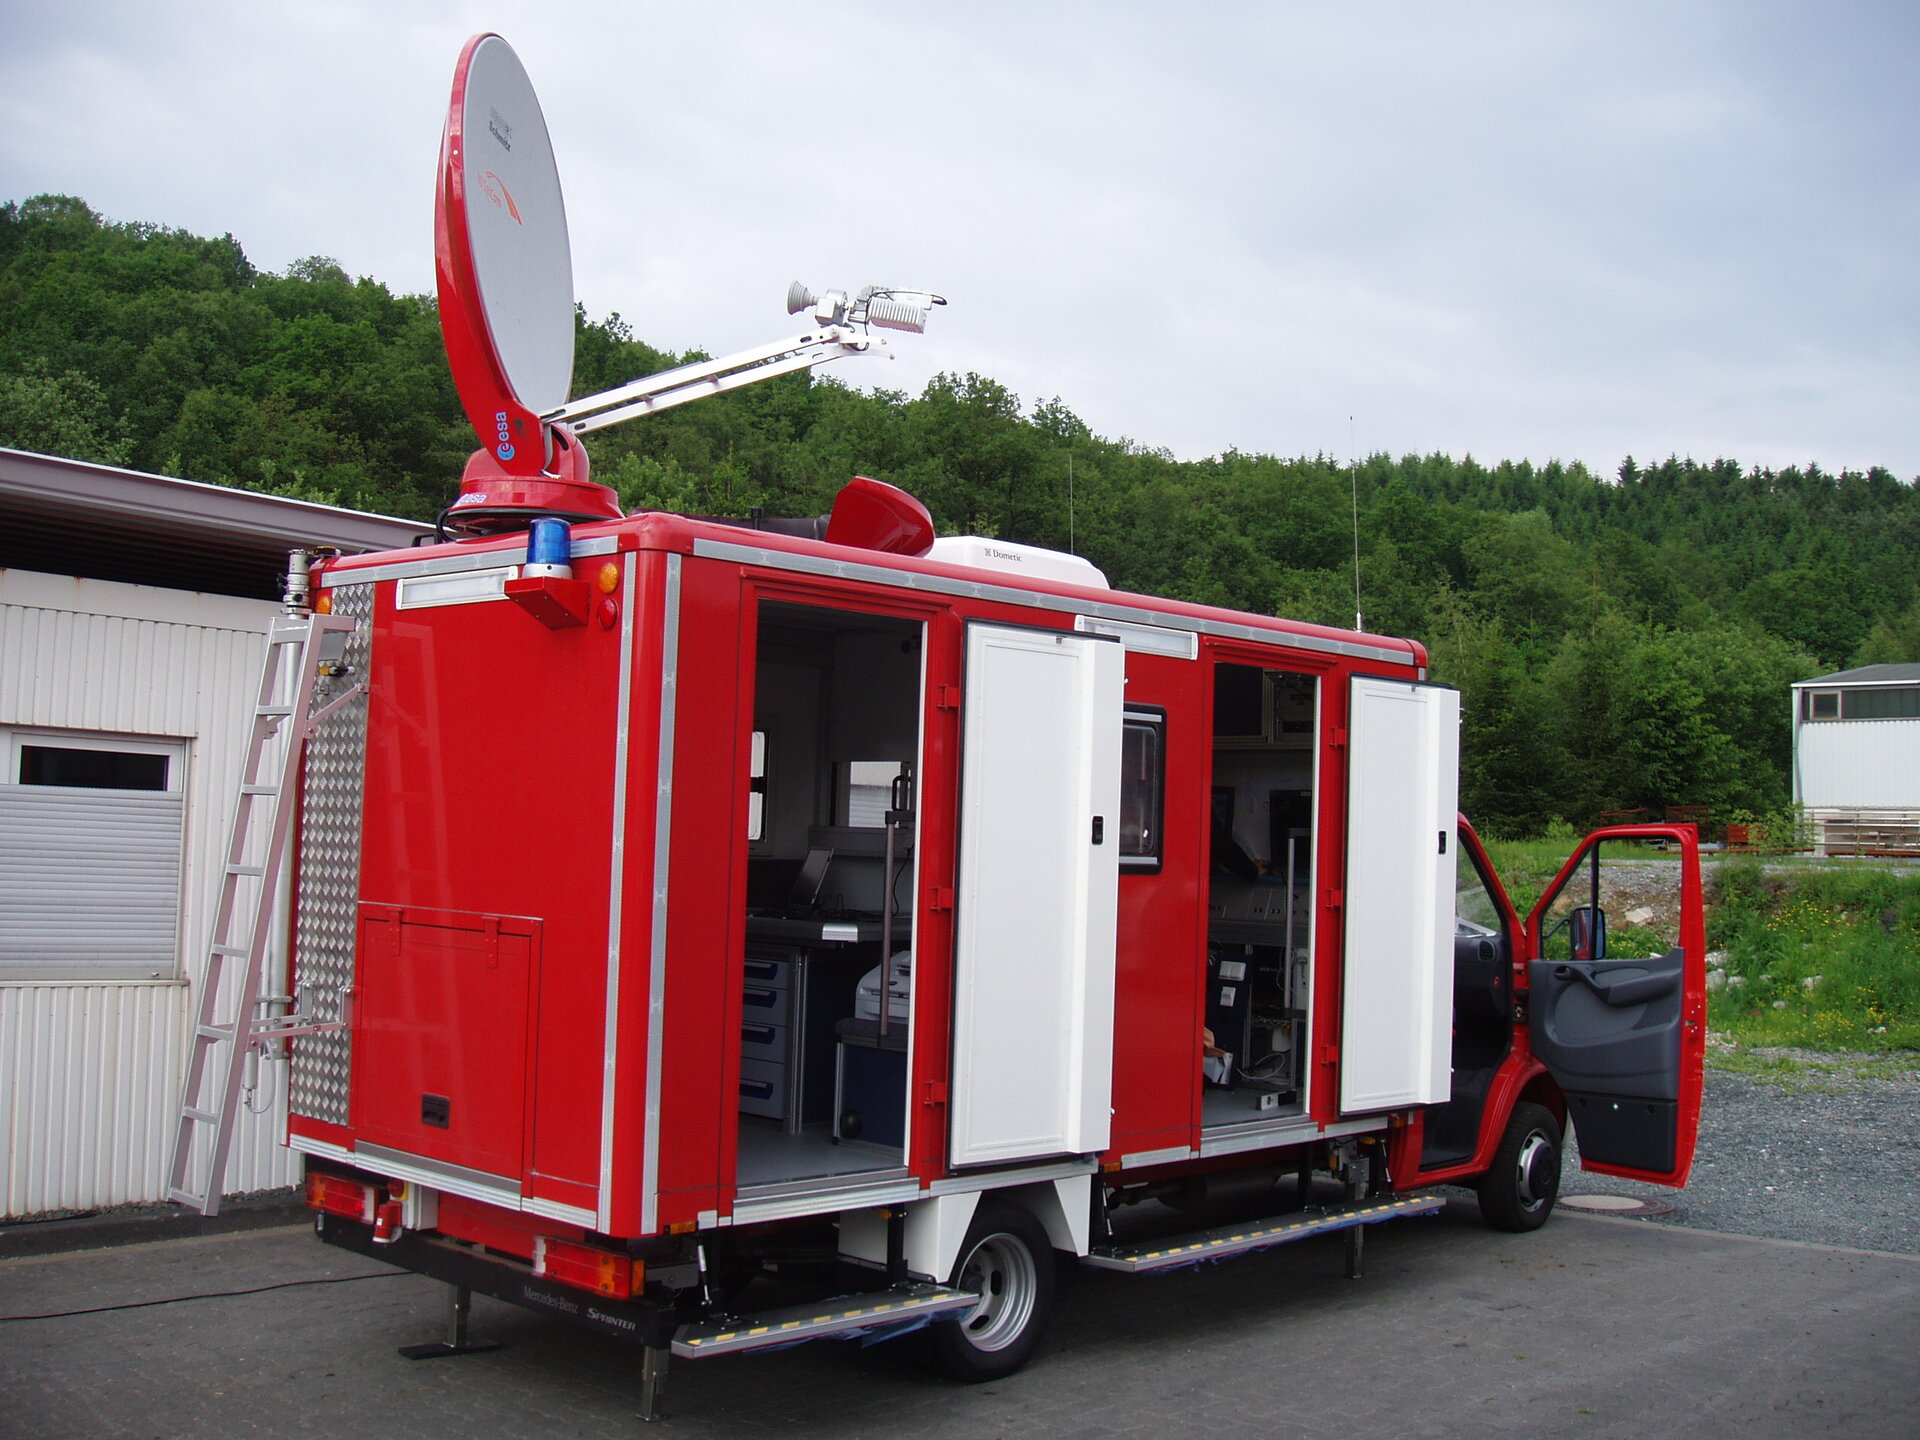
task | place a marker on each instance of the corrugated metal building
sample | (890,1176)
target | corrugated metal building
(132,611)
(1856,759)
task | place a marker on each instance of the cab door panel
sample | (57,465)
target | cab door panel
(1623,1036)
(1611,1032)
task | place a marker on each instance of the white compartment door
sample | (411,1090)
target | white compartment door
(1403,779)
(1035,895)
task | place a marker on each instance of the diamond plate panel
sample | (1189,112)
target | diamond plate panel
(329,879)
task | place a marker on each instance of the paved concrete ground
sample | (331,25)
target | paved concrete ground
(1590,1328)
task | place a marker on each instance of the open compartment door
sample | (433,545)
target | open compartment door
(1618,1002)
(1035,900)
(1403,777)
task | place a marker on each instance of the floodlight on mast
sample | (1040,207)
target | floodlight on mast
(504,271)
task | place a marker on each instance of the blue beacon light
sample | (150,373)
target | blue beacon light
(549,550)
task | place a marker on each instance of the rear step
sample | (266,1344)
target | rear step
(844,1315)
(1178,1250)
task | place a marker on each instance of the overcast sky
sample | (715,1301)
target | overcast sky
(1516,230)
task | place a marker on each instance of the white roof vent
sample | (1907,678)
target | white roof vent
(1028,560)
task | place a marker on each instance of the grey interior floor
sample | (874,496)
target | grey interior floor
(1237,1107)
(768,1155)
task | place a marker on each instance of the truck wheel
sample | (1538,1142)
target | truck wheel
(1008,1262)
(1518,1192)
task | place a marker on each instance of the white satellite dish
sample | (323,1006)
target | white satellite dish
(516,227)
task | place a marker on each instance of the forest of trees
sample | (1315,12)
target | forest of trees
(1621,640)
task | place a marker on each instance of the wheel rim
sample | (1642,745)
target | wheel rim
(1533,1174)
(1002,1273)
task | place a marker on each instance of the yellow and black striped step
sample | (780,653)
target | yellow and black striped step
(1177,1250)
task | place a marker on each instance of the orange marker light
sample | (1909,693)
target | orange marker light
(609,578)
(323,603)
(588,1267)
(338,1196)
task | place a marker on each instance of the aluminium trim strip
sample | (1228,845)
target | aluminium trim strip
(1005,1179)
(1034,599)
(438,1175)
(555,1210)
(321,1149)
(1157,1157)
(825,1202)
(657,949)
(1244,1138)
(454,564)
(609,1061)
(822,1185)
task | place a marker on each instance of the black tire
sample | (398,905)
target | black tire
(1518,1192)
(1008,1261)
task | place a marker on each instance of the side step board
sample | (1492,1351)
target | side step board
(844,1315)
(1205,1245)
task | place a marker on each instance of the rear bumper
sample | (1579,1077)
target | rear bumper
(640,1322)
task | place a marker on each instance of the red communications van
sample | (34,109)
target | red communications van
(731,903)
(681,904)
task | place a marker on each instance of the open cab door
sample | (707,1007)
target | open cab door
(1618,1004)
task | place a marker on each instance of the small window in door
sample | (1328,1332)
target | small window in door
(1142,789)
(1617,910)
(1474,909)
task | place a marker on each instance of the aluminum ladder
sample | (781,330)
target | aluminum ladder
(300,648)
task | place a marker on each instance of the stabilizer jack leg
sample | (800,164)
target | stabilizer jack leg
(1356,1235)
(653,1381)
(459,1306)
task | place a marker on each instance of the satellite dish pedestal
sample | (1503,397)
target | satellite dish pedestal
(493,498)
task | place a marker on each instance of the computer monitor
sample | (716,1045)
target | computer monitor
(805,894)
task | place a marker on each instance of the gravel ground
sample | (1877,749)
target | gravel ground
(1799,1146)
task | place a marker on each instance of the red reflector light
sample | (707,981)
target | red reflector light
(601,1271)
(341,1197)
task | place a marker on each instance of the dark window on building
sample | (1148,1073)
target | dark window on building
(1896,704)
(92,769)
(1823,705)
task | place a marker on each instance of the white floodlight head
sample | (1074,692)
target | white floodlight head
(889,308)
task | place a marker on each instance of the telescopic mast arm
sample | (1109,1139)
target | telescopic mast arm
(843,332)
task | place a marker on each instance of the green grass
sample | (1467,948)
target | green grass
(1817,957)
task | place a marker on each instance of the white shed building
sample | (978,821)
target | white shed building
(1856,759)
(132,614)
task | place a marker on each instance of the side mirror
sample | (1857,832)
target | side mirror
(1587,932)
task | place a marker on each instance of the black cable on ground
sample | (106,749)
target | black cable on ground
(210,1295)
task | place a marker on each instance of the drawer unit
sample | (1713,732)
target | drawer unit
(760,1041)
(790,999)
(763,1088)
(769,969)
(763,1005)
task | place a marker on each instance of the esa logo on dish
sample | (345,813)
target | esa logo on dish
(505,448)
